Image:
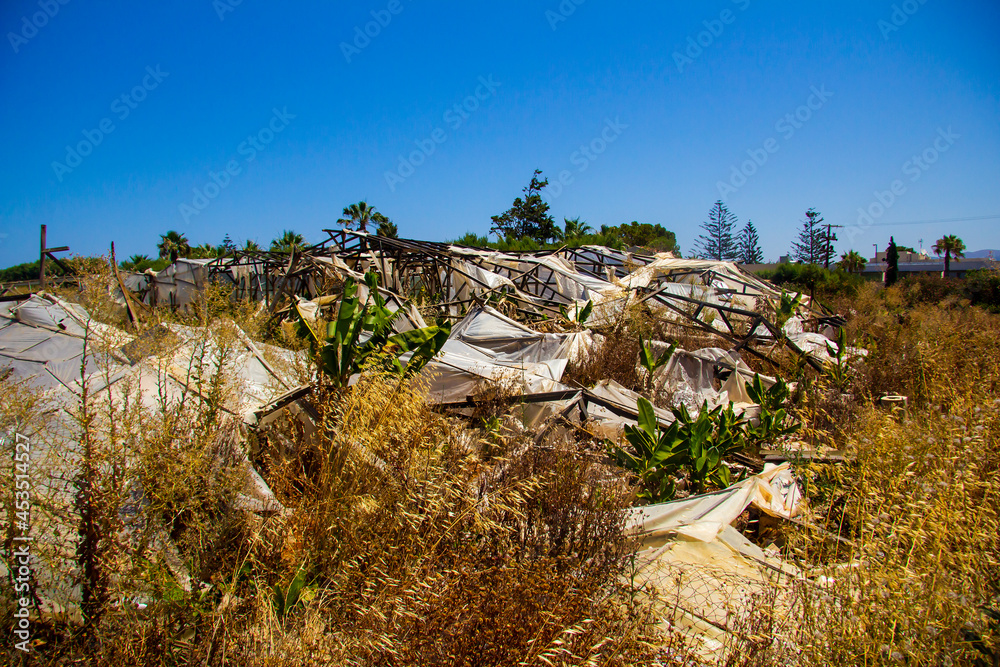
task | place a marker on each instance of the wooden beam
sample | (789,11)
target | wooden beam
(41,260)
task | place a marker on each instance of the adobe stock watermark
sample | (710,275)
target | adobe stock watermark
(562,13)
(454,118)
(31,25)
(696,44)
(585,155)
(122,106)
(899,17)
(223,7)
(21,552)
(787,126)
(914,169)
(248,149)
(381,18)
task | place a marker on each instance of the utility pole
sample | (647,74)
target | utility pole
(47,252)
(829,247)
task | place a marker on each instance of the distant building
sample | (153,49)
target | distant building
(911,263)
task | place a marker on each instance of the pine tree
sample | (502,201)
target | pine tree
(749,245)
(812,248)
(717,242)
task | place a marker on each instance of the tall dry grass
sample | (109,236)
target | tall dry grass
(919,582)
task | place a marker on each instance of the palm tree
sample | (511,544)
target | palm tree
(206,251)
(575,228)
(250,246)
(387,227)
(950,246)
(173,244)
(852,262)
(134,262)
(288,242)
(360,214)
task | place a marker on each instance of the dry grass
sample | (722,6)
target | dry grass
(922,507)
(399,544)
(920,501)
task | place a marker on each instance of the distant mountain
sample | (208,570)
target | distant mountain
(983,254)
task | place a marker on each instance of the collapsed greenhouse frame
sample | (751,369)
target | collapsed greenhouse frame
(709,297)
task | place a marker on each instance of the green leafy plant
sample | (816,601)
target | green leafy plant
(709,438)
(657,454)
(652,363)
(341,352)
(786,308)
(774,420)
(580,315)
(288,596)
(695,446)
(839,370)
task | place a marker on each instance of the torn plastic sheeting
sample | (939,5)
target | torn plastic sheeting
(62,329)
(714,575)
(459,370)
(506,340)
(610,425)
(488,346)
(691,376)
(816,345)
(713,589)
(774,492)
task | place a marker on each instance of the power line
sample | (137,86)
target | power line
(934,222)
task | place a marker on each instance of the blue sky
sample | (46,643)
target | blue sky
(650,112)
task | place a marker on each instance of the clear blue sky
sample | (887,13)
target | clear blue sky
(926,85)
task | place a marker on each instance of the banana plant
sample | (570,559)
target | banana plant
(839,370)
(581,315)
(786,308)
(710,437)
(341,353)
(657,454)
(774,420)
(652,363)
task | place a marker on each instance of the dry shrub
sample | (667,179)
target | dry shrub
(133,500)
(920,502)
(419,553)
(612,357)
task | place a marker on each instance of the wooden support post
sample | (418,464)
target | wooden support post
(41,261)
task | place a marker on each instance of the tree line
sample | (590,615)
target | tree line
(528,225)
(174,245)
(720,240)
(814,244)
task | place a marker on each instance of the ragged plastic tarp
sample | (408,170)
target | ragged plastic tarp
(488,346)
(53,347)
(711,580)
(773,491)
